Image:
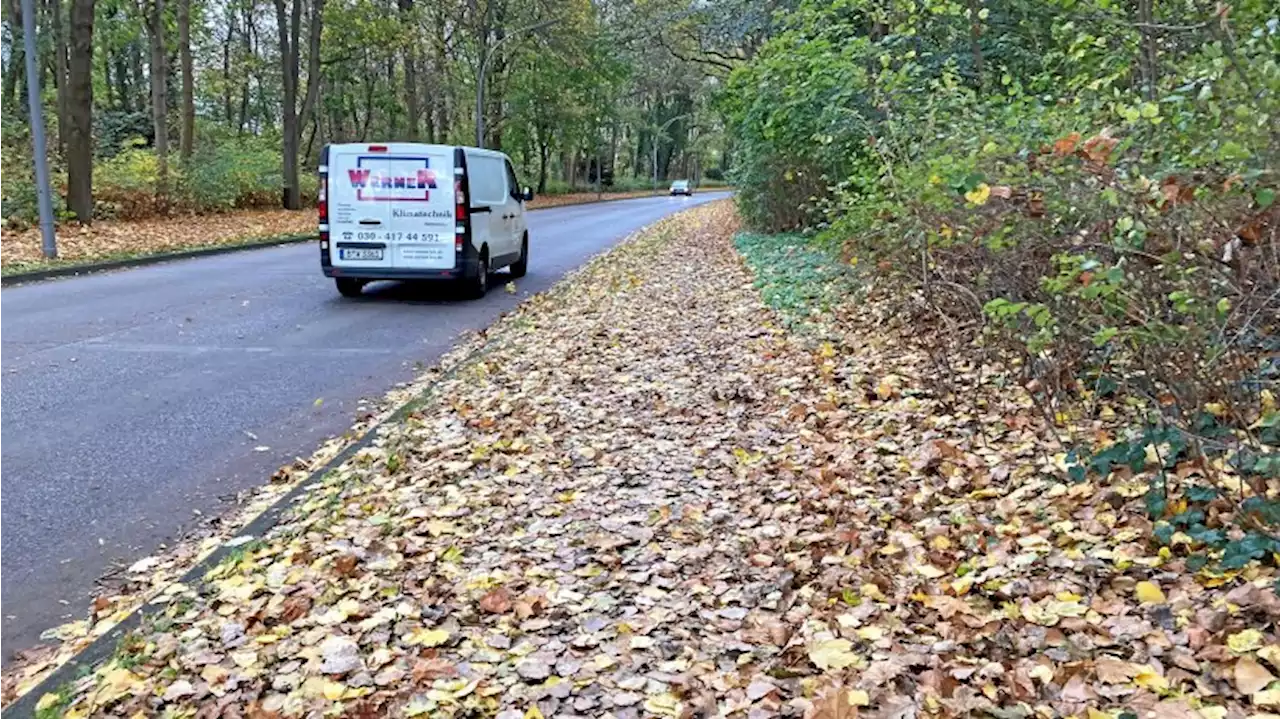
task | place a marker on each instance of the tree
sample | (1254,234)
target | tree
(289,26)
(186,131)
(159,97)
(79,153)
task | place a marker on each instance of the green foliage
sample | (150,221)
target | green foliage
(1089,198)
(796,275)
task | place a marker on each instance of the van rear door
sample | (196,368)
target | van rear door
(391,207)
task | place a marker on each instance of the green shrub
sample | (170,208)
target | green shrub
(1115,244)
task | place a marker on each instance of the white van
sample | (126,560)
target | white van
(409,211)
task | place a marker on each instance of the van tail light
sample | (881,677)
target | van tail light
(459,211)
(322,207)
(377,148)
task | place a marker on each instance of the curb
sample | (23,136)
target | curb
(105,645)
(87,268)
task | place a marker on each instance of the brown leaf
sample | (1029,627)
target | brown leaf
(1077,690)
(1097,149)
(295,607)
(346,564)
(832,703)
(1251,677)
(1251,231)
(1067,145)
(1001,191)
(428,670)
(496,601)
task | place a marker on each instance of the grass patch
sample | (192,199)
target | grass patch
(797,275)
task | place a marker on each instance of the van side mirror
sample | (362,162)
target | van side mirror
(526,195)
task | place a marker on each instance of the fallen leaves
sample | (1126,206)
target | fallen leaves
(648,499)
(1251,677)
(1149,593)
(830,654)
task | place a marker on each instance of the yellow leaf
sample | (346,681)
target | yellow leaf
(1251,677)
(48,701)
(664,704)
(1149,593)
(1213,712)
(832,654)
(1267,698)
(1271,653)
(859,698)
(333,691)
(1245,641)
(929,571)
(979,194)
(1215,408)
(533,712)
(871,634)
(871,591)
(1149,679)
(1043,672)
(427,637)
(115,684)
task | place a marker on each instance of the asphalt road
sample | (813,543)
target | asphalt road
(129,397)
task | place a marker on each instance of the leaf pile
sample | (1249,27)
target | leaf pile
(646,498)
(110,239)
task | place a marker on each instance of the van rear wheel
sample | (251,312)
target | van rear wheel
(476,287)
(521,266)
(349,286)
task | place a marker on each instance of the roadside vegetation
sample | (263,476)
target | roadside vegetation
(1075,203)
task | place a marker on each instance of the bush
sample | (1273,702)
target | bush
(1115,245)
(237,172)
(19,203)
(224,174)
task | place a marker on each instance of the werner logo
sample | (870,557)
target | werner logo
(393,179)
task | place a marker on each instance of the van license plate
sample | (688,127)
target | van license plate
(360,254)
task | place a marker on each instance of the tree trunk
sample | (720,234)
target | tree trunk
(288,21)
(313,62)
(544,154)
(226,64)
(80,112)
(975,41)
(125,91)
(410,74)
(59,72)
(159,100)
(17,60)
(187,131)
(1148,62)
(138,77)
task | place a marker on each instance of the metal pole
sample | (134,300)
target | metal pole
(48,242)
(484,70)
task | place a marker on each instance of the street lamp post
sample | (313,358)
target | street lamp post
(484,70)
(45,202)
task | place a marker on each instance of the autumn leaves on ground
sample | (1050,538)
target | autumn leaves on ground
(649,495)
(109,240)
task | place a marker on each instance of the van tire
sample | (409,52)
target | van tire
(476,287)
(521,266)
(349,286)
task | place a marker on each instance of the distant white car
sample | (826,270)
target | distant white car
(681,187)
(408,211)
